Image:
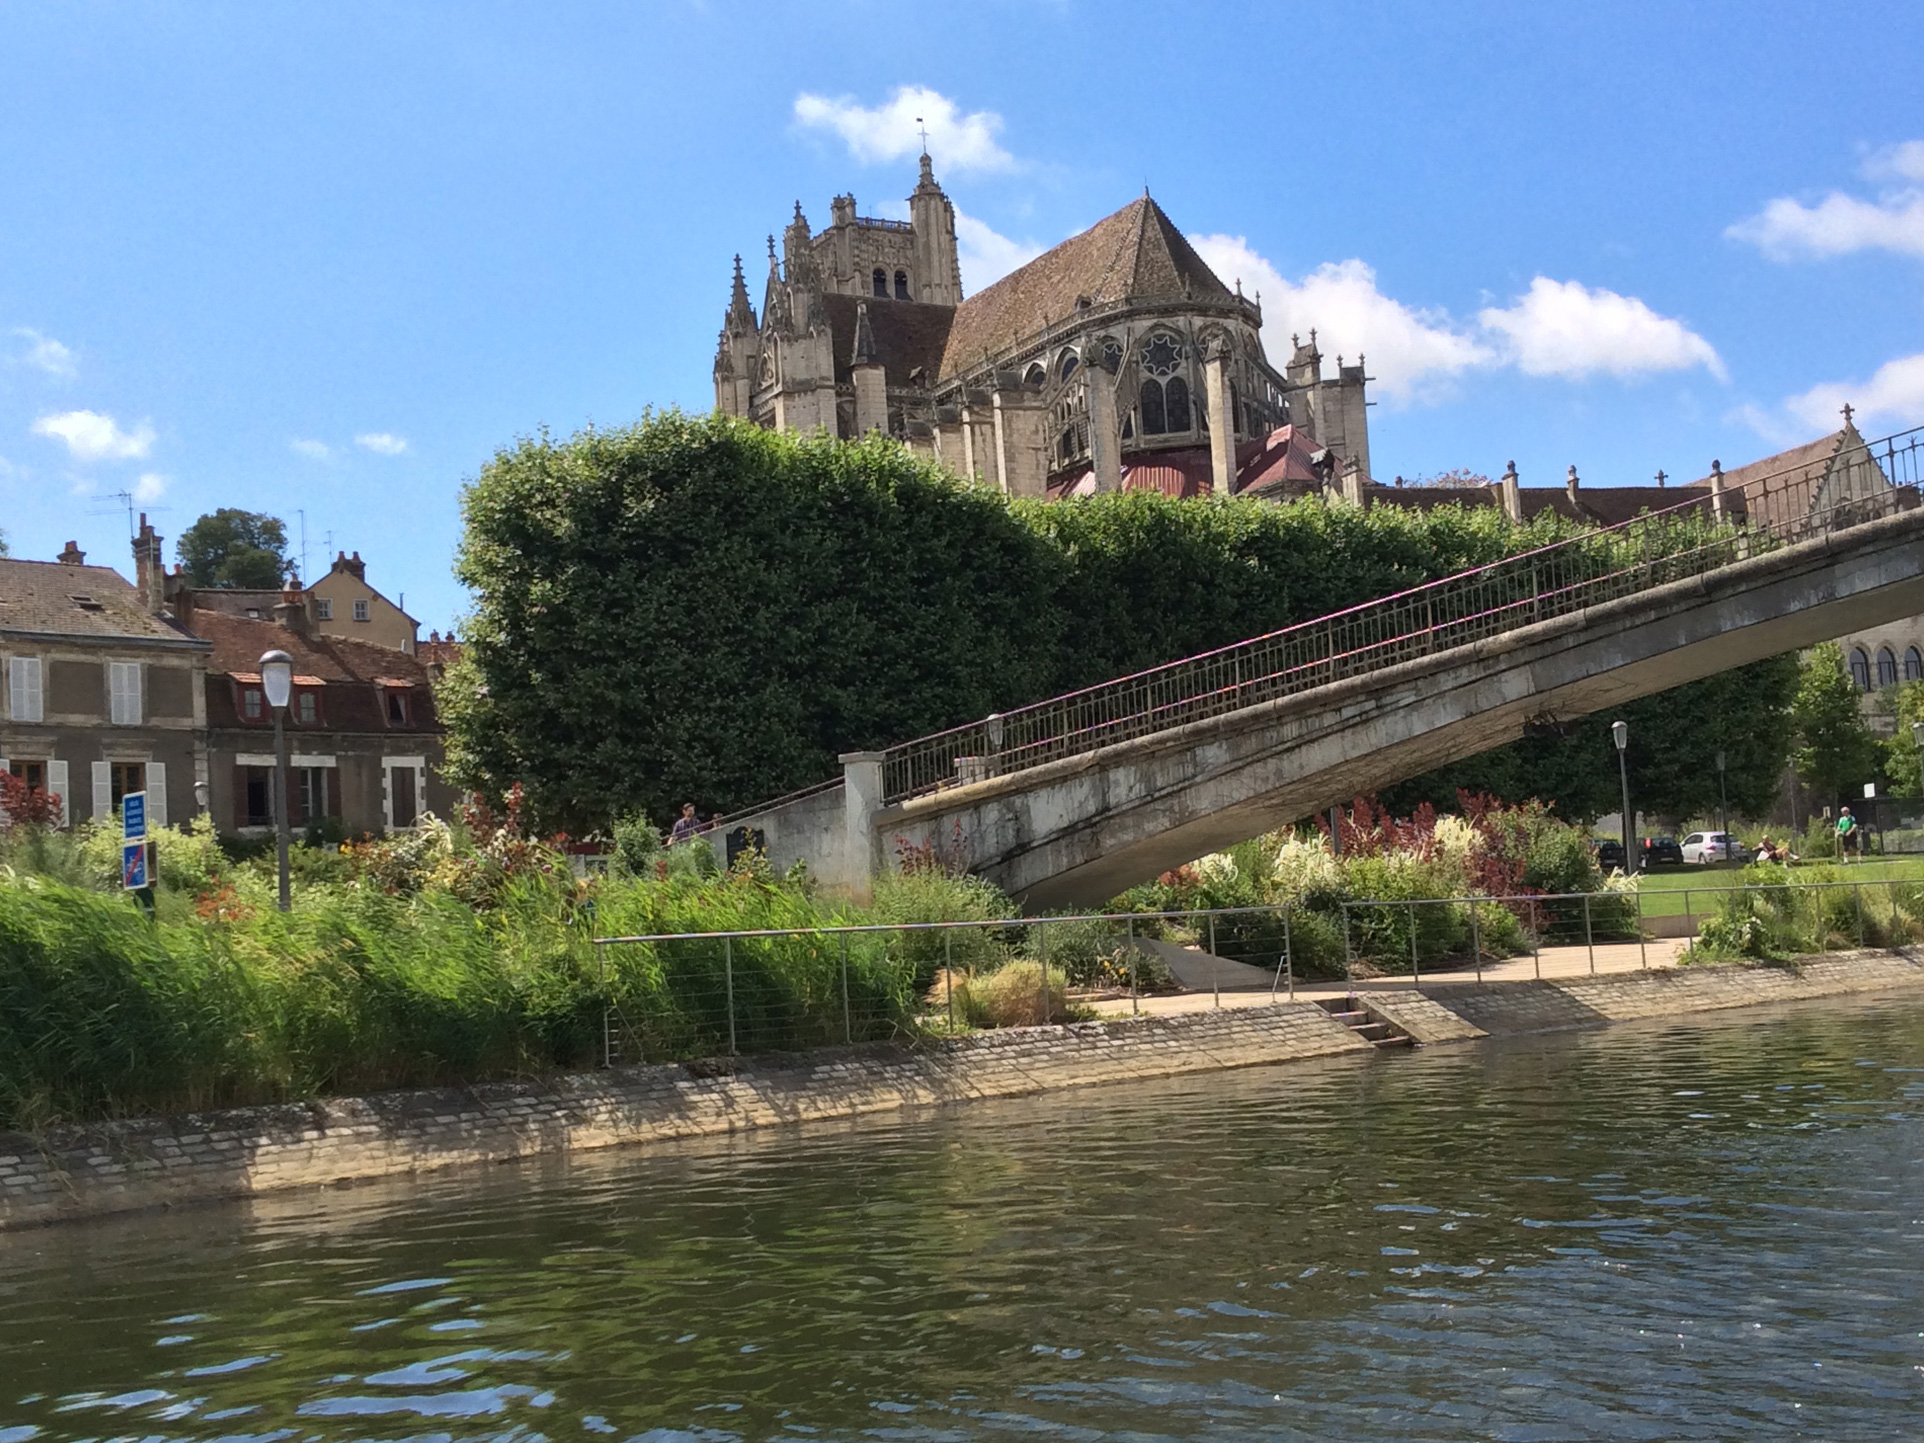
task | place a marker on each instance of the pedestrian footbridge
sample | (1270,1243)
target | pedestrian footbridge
(1072,800)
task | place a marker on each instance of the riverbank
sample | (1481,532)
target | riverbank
(73,1172)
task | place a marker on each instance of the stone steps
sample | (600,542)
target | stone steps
(1366,1025)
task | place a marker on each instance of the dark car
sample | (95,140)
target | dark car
(1610,856)
(1662,852)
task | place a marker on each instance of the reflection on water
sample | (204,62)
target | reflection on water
(1705,1232)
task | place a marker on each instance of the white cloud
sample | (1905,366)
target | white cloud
(1409,350)
(44,353)
(1891,399)
(1558,328)
(381,443)
(986,255)
(313,450)
(150,487)
(893,129)
(1839,224)
(91,436)
(1563,328)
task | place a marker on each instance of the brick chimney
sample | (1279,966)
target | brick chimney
(352,565)
(290,612)
(1512,486)
(1570,486)
(73,556)
(149,569)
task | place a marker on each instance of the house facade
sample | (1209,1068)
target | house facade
(364,741)
(341,603)
(102,697)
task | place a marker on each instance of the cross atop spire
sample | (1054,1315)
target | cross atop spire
(1848,413)
(1661,478)
(924,133)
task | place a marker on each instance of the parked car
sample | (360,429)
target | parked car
(1610,855)
(1661,852)
(1700,849)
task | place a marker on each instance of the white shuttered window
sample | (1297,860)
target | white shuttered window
(57,786)
(123,682)
(25,700)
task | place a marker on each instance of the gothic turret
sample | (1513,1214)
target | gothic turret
(938,273)
(741,315)
(737,351)
(775,314)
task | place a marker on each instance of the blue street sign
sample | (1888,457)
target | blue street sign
(133,865)
(133,815)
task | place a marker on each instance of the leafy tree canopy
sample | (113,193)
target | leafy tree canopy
(1836,752)
(1901,753)
(231,548)
(697,609)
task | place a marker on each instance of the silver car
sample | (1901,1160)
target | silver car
(1700,849)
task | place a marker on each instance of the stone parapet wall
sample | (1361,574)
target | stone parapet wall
(116,1167)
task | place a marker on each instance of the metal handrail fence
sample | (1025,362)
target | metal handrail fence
(704,994)
(1705,532)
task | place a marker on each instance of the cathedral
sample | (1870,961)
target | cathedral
(1117,360)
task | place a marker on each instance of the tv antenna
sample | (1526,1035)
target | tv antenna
(127,501)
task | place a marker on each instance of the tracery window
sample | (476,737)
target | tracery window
(1165,394)
(1886,667)
(1035,375)
(1111,356)
(1914,665)
(901,285)
(880,279)
(1860,669)
(1066,365)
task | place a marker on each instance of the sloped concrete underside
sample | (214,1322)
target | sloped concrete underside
(1079,831)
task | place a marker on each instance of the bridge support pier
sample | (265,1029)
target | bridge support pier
(862,796)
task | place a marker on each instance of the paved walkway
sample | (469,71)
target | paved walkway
(1553,963)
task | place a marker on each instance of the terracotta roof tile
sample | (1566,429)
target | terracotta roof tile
(1137,253)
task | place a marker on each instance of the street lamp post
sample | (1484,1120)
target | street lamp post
(277,680)
(1723,807)
(1620,734)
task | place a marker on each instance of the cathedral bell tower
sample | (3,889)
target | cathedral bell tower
(938,272)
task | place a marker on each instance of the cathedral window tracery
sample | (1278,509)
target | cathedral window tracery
(1066,365)
(1165,394)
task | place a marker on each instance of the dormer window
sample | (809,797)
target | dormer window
(307,708)
(397,707)
(253,705)
(86,603)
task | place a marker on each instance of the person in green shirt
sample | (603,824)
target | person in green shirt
(1847,834)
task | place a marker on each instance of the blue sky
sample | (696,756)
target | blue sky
(327,258)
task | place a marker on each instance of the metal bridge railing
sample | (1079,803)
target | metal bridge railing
(1801,503)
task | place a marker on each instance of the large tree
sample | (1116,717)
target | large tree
(1901,754)
(231,548)
(1836,752)
(1672,756)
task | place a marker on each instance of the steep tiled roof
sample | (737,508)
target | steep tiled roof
(1137,253)
(908,335)
(53,598)
(239,642)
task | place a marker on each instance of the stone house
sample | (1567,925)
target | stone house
(1117,359)
(364,741)
(341,603)
(103,696)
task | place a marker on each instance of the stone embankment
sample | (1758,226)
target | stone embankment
(117,1167)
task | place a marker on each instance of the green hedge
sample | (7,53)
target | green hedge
(694,608)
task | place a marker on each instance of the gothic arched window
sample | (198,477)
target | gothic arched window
(1886,667)
(1066,365)
(1860,669)
(1154,422)
(901,285)
(1176,400)
(1914,665)
(881,282)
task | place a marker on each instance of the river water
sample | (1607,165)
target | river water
(1691,1231)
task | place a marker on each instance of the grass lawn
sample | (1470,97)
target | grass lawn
(1663,891)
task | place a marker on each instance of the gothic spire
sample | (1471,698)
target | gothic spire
(741,315)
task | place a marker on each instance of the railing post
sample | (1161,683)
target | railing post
(1857,888)
(1589,936)
(948,973)
(1135,996)
(728,978)
(1476,942)
(1536,940)
(1416,971)
(1042,966)
(848,1025)
(1215,973)
(1289,955)
(1349,975)
(1643,946)
(607,1010)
